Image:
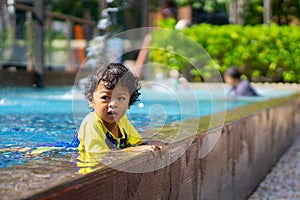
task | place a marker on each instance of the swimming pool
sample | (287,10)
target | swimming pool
(30,116)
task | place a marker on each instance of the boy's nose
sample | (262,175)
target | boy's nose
(112,104)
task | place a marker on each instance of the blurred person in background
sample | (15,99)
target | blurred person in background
(239,87)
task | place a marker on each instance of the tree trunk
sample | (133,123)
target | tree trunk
(236,9)
(267,12)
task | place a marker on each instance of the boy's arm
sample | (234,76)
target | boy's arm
(136,143)
(148,145)
(158,144)
(90,139)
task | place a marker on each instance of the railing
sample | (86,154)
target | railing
(20,53)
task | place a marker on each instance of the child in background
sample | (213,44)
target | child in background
(239,87)
(110,91)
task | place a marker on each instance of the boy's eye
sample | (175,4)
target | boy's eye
(121,99)
(106,98)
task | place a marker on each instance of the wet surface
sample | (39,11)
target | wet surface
(54,169)
(21,181)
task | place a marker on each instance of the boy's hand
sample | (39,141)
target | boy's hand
(142,148)
(152,146)
(158,145)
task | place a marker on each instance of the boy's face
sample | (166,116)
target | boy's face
(110,105)
(230,80)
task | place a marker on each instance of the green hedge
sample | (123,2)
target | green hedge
(263,53)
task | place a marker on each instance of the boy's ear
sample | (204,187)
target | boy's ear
(89,97)
(90,100)
(91,105)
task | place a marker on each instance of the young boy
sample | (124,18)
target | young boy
(110,91)
(239,87)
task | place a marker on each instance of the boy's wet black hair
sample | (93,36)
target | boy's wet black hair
(112,75)
(233,72)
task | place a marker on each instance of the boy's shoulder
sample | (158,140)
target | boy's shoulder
(90,118)
(92,121)
(244,84)
(124,119)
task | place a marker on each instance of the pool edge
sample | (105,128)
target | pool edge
(232,172)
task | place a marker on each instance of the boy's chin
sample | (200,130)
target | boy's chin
(112,120)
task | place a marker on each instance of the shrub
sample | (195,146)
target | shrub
(263,53)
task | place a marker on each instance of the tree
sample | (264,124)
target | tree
(252,12)
(236,10)
(267,12)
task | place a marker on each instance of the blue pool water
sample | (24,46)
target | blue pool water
(31,116)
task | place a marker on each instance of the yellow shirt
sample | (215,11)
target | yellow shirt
(94,137)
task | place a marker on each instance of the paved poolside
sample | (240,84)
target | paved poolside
(283,181)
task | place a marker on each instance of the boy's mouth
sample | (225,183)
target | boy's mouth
(112,113)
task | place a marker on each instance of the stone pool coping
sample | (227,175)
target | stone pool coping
(54,178)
